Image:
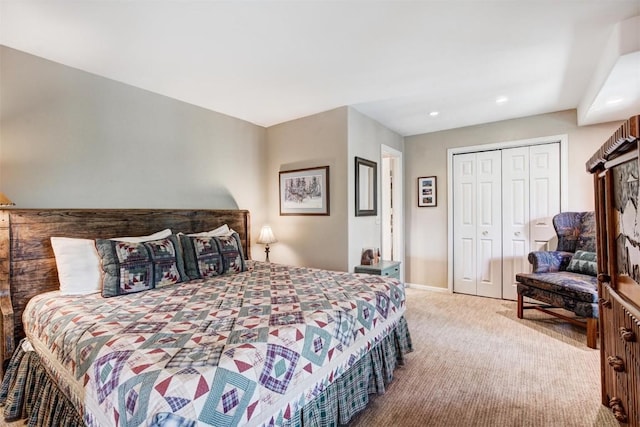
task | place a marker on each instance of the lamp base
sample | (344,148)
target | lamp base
(266,251)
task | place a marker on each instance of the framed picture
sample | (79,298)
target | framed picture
(366,187)
(305,191)
(427,195)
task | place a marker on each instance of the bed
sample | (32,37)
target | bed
(263,344)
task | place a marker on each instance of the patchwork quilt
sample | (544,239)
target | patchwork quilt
(250,348)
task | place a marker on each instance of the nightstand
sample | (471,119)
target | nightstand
(383,268)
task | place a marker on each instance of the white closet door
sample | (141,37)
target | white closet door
(544,177)
(515,239)
(531,197)
(489,220)
(464,217)
(478,226)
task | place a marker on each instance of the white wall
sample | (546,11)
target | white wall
(70,139)
(426,155)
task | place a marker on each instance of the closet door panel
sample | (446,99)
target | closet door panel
(464,219)
(545,193)
(489,228)
(515,211)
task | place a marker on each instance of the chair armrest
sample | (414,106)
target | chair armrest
(549,261)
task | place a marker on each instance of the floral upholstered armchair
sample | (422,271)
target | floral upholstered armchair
(566,278)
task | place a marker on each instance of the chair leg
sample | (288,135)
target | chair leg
(520,306)
(592,332)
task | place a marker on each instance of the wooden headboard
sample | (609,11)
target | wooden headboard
(27,263)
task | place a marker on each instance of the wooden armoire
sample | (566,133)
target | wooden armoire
(617,192)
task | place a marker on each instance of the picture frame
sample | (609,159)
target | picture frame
(304,191)
(427,191)
(366,174)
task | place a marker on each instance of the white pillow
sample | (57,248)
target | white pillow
(221,231)
(78,265)
(139,239)
(78,262)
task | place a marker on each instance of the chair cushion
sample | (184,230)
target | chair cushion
(580,308)
(577,286)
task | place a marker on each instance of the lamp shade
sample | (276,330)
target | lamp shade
(266,235)
(5,201)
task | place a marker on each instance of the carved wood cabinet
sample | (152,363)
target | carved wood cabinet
(615,170)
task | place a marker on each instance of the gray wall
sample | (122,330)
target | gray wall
(70,139)
(426,155)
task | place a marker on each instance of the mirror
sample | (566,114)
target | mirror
(366,187)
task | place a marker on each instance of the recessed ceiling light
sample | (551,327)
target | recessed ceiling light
(501,100)
(614,101)
(434,113)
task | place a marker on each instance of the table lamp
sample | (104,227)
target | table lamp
(266,237)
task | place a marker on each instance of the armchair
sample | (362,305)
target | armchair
(566,278)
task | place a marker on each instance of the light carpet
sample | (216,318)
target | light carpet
(476,364)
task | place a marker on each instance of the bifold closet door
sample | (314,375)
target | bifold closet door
(530,199)
(477,224)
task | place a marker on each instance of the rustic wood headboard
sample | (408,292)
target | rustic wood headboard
(27,263)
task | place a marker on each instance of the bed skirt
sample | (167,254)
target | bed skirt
(27,391)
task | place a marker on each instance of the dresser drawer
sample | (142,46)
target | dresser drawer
(620,357)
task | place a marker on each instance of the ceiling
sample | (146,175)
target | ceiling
(269,62)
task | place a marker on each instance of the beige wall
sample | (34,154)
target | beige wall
(331,138)
(318,140)
(425,155)
(70,139)
(366,136)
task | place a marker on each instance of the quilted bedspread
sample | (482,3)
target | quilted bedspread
(241,349)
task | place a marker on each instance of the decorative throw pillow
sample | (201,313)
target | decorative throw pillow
(78,262)
(134,267)
(584,262)
(202,257)
(230,248)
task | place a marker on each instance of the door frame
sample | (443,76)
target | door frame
(563,139)
(398,206)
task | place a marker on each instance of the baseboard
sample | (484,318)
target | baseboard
(426,287)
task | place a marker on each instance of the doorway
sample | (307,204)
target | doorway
(392,214)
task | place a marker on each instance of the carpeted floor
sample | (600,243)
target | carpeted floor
(476,364)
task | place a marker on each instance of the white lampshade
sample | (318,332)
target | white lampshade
(266,235)
(5,201)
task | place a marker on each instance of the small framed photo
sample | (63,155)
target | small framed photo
(427,195)
(305,191)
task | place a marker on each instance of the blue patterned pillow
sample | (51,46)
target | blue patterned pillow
(584,262)
(131,267)
(202,258)
(230,248)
